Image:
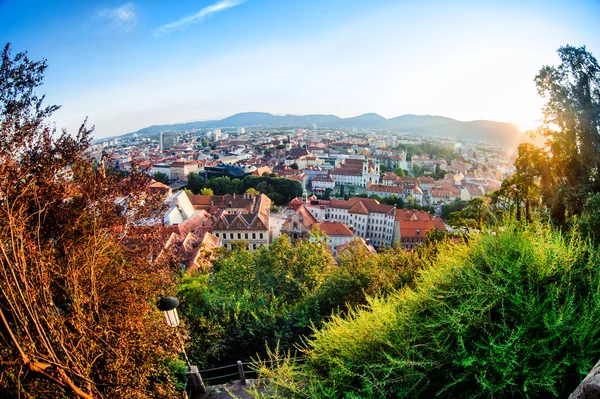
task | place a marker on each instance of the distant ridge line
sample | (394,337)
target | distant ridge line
(502,132)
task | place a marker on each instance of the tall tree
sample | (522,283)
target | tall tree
(571,121)
(77,287)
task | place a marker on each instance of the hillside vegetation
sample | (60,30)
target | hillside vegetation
(516,313)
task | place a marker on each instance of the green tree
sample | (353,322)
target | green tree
(472,216)
(531,182)
(207,191)
(195,182)
(161,177)
(252,191)
(400,172)
(571,127)
(294,166)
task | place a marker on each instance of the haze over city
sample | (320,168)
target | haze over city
(128,65)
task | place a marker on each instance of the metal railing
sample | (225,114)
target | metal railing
(237,371)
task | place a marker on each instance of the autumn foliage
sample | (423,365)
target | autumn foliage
(78,280)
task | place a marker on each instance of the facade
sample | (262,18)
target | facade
(385,191)
(367,218)
(166,140)
(338,234)
(250,226)
(356,172)
(162,168)
(323,182)
(299,224)
(411,227)
(180,170)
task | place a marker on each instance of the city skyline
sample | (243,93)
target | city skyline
(128,65)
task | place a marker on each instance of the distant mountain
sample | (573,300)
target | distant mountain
(423,124)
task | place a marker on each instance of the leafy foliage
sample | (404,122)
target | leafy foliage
(195,182)
(272,297)
(76,283)
(280,190)
(515,313)
(561,176)
(161,177)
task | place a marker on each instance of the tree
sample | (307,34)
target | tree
(207,191)
(294,166)
(161,177)
(472,216)
(571,128)
(77,286)
(205,143)
(252,191)
(400,172)
(195,182)
(532,180)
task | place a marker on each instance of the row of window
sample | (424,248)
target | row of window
(251,247)
(412,240)
(232,236)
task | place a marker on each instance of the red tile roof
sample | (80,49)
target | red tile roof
(334,229)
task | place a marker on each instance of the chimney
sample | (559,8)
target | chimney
(233,195)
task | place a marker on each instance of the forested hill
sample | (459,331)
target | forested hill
(422,124)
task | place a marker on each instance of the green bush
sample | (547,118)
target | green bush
(516,313)
(273,296)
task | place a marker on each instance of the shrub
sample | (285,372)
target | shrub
(516,313)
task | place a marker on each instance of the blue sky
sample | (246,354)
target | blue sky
(130,64)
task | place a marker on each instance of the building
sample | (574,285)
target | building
(161,168)
(356,172)
(180,170)
(322,182)
(214,135)
(233,171)
(193,252)
(159,188)
(249,225)
(338,234)
(385,191)
(366,217)
(166,140)
(411,227)
(299,224)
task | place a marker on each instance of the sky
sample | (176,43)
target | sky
(130,64)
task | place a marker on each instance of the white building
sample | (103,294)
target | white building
(356,172)
(338,234)
(323,182)
(366,217)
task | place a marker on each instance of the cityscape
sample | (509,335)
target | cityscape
(235,199)
(377,186)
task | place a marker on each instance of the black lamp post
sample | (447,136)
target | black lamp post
(168,305)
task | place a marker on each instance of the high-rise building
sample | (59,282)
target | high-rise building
(166,141)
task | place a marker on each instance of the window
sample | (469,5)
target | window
(254,236)
(239,236)
(246,236)
(261,236)
(217,235)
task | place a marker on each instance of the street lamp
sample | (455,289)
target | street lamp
(168,305)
